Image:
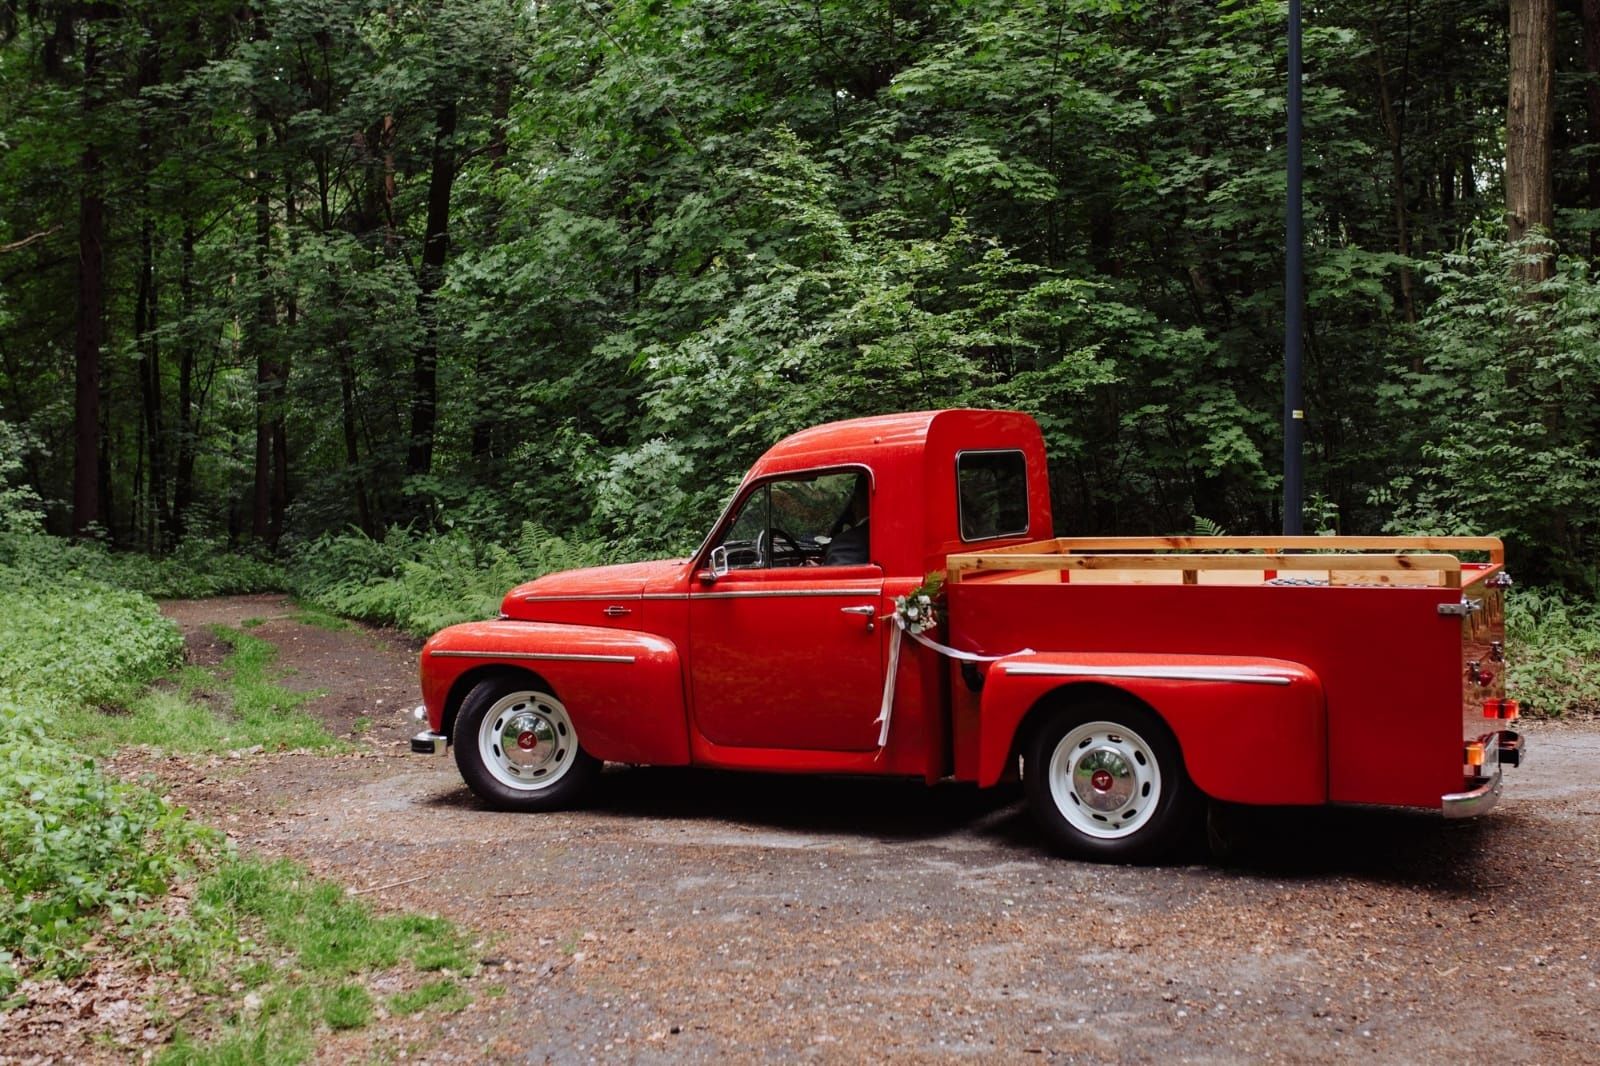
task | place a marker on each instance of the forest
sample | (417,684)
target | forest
(278,273)
(389,306)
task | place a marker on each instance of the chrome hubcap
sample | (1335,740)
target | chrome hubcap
(527,740)
(1104,780)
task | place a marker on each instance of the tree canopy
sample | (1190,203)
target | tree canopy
(273,269)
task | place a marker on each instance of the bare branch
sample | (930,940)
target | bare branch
(16,246)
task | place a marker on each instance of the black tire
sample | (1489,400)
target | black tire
(1132,802)
(552,772)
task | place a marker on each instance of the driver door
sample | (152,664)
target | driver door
(786,650)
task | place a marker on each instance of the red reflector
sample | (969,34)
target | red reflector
(1507,709)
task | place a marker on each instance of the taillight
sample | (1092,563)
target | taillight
(1503,709)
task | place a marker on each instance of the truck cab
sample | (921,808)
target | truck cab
(778,646)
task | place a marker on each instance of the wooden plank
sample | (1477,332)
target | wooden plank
(1188,561)
(1390,577)
(1494,546)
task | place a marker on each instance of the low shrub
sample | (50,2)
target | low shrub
(422,582)
(73,639)
(76,850)
(196,568)
(1553,650)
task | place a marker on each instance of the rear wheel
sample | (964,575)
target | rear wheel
(1106,781)
(518,750)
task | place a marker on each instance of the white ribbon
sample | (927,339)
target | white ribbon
(886,706)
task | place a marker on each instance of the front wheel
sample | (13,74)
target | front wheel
(518,750)
(1106,781)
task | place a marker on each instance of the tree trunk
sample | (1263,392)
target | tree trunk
(280,384)
(1530,122)
(1394,125)
(266,320)
(483,423)
(352,454)
(1591,95)
(435,245)
(144,316)
(183,490)
(90,319)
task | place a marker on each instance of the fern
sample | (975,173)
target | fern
(423,582)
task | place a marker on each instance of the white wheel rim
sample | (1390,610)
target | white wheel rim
(527,741)
(1105,780)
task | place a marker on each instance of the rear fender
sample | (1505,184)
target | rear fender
(623,689)
(1252,730)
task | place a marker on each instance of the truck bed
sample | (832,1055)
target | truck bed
(1379,620)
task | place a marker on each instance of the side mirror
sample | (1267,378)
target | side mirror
(719,565)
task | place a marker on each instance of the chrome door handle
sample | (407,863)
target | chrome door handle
(869,613)
(616,612)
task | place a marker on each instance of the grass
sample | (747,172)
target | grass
(444,995)
(239,704)
(307,951)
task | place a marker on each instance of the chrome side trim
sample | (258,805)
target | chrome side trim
(1476,801)
(1197,673)
(534,597)
(576,657)
(780,593)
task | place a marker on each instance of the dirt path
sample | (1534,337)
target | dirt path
(699,915)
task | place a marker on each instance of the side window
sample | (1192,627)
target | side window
(993,491)
(814,520)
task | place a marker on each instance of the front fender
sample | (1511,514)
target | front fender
(623,689)
(1252,730)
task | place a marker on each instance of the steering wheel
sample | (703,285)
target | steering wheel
(793,549)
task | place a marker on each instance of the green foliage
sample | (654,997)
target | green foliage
(239,704)
(196,568)
(1553,650)
(437,997)
(77,640)
(677,232)
(1505,424)
(347,1007)
(77,851)
(20,506)
(306,950)
(422,582)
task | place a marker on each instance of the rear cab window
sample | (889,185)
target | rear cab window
(992,490)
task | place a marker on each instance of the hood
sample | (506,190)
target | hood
(623,580)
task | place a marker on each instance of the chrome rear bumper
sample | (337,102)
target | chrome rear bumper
(1500,749)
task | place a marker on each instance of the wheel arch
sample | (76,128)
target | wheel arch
(471,679)
(1066,697)
(1248,730)
(622,688)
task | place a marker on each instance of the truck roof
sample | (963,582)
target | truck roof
(912,457)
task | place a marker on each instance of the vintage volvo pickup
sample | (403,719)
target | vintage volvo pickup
(1126,680)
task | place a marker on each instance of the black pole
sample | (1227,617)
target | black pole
(1294,298)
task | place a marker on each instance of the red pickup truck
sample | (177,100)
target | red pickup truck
(1127,680)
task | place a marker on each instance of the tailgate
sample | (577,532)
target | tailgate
(1486,712)
(1483,654)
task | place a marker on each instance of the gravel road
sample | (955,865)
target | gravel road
(694,915)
